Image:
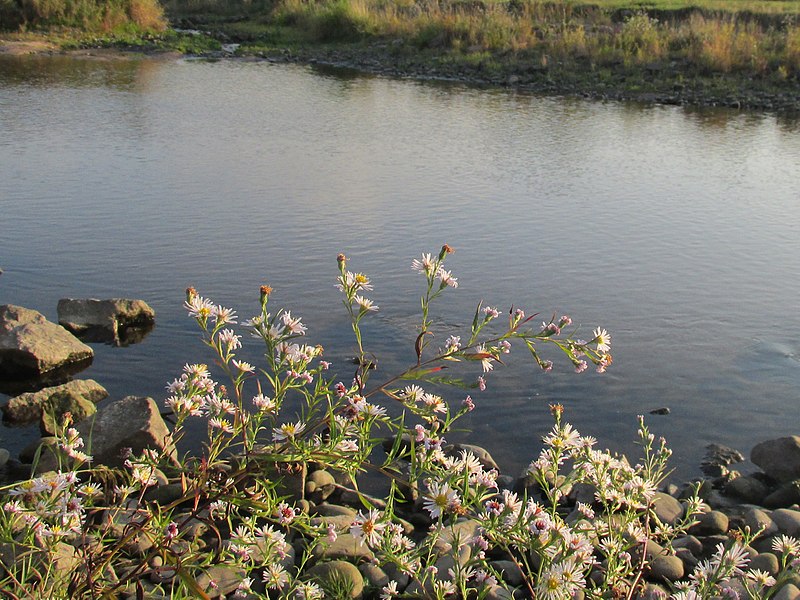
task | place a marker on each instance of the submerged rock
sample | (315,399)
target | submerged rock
(117,320)
(33,348)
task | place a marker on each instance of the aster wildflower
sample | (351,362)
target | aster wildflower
(275,576)
(760,578)
(603,339)
(423,265)
(286,514)
(244,367)
(452,344)
(308,590)
(367,528)
(446,278)
(365,304)
(292,325)
(389,591)
(441,498)
(224,316)
(786,545)
(490,312)
(288,431)
(481,383)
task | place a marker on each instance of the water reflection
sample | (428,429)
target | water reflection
(673,228)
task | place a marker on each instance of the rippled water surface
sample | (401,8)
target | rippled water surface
(677,230)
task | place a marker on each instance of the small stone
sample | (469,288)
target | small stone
(787,520)
(332,510)
(320,485)
(340,575)
(497,592)
(710,523)
(664,410)
(4,456)
(668,510)
(757,519)
(226,578)
(766,561)
(346,547)
(509,571)
(689,542)
(373,575)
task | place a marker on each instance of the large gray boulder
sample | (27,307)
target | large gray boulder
(49,405)
(31,347)
(779,458)
(133,422)
(106,320)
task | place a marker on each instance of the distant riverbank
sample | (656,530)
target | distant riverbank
(746,56)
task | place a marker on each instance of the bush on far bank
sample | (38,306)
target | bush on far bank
(89,15)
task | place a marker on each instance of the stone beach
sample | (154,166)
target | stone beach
(766,501)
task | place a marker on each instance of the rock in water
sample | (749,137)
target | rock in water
(133,422)
(106,320)
(31,347)
(74,396)
(779,458)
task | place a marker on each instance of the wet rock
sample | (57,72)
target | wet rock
(779,458)
(31,347)
(77,397)
(117,320)
(342,574)
(722,455)
(664,410)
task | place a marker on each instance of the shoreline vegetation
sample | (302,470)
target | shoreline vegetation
(309,488)
(739,53)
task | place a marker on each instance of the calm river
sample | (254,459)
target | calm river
(677,230)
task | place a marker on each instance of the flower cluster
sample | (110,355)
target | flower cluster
(244,500)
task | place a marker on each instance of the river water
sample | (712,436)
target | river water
(677,230)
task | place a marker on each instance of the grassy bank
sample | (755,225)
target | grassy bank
(740,52)
(735,52)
